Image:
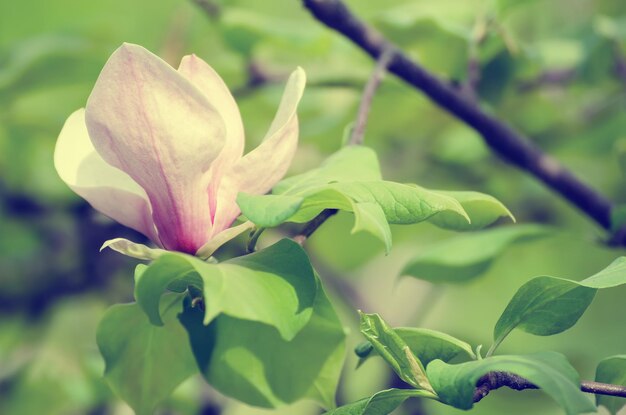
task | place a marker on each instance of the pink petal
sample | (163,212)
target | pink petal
(199,73)
(258,171)
(108,189)
(149,121)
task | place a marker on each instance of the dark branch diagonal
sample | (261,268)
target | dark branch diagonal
(500,137)
(496,380)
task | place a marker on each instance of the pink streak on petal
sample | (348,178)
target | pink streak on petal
(149,121)
(215,90)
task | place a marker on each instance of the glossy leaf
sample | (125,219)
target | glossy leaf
(351,163)
(370,217)
(275,286)
(481,208)
(612,370)
(251,362)
(350,180)
(427,345)
(547,305)
(144,363)
(550,371)
(381,403)
(464,257)
(391,347)
(269,210)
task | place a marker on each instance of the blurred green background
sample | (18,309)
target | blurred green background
(555,69)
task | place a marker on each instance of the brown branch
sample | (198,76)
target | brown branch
(495,380)
(500,137)
(358,132)
(313,224)
(210,8)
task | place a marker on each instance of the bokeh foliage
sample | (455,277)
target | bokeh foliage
(549,67)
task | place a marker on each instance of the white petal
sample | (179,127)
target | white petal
(132,249)
(151,122)
(199,73)
(264,166)
(108,189)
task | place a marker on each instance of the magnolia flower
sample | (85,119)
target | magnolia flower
(160,150)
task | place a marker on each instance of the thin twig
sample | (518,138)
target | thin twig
(209,7)
(495,380)
(500,137)
(358,132)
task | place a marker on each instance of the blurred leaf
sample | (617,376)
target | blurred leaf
(391,347)
(28,55)
(275,286)
(381,403)
(550,371)
(612,370)
(420,28)
(58,371)
(144,363)
(243,29)
(464,257)
(251,362)
(548,305)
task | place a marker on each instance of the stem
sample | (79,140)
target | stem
(358,132)
(495,380)
(313,224)
(254,237)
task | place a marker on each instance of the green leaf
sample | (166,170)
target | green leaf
(612,370)
(275,286)
(468,256)
(402,204)
(349,164)
(381,403)
(544,306)
(391,347)
(548,305)
(251,362)
(427,345)
(550,371)
(482,209)
(269,210)
(369,217)
(169,269)
(144,363)
(350,180)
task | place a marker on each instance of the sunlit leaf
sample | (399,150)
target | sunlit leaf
(251,362)
(275,286)
(144,363)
